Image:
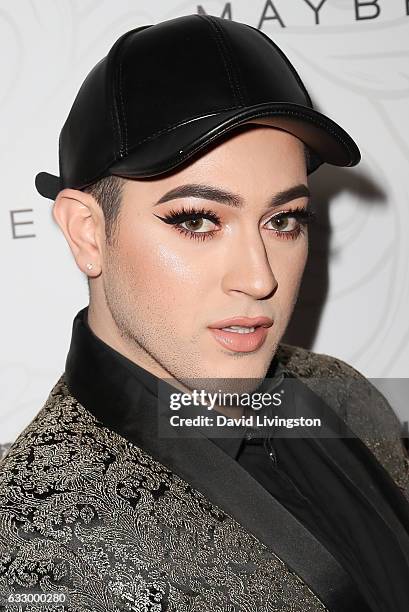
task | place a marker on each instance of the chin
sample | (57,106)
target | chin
(235,383)
(244,367)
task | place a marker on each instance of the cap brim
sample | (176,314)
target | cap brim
(325,139)
(48,185)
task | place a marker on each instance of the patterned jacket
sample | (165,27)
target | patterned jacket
(87,513)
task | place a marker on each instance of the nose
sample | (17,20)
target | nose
(247,267)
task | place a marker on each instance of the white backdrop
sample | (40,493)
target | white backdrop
(354,59)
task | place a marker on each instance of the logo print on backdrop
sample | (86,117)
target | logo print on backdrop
(360,10)
(15,232)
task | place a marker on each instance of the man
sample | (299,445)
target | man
(183,197)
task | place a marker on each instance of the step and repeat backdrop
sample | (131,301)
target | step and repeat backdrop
(353,56)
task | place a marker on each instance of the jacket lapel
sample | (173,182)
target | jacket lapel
(226,484)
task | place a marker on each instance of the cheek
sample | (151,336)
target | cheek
(164,268)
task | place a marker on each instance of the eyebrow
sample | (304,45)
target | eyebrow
(207,192)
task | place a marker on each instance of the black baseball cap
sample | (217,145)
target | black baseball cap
(164,92)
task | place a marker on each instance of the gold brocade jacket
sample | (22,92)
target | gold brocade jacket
(87,513)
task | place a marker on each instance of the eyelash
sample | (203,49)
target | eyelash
(176,218)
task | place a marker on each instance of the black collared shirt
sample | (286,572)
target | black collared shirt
(334,487)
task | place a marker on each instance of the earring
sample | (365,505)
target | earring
(90,266)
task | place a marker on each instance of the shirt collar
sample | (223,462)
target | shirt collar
(121,393)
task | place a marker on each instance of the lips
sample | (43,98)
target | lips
(238,340)
(243,322)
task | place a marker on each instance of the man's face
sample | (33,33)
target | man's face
(166,283)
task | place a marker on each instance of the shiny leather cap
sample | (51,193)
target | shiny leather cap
(167,91)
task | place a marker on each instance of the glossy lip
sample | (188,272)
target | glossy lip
(241,343)
(244,322)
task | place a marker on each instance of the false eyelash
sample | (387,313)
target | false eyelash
(302,215)
(185,214)
(173,217)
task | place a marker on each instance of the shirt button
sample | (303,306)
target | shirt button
(273,457)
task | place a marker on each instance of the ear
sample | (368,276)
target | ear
(82,223)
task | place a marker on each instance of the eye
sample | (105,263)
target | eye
(196,224)
(200,224)
(290,223)
(283,224)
